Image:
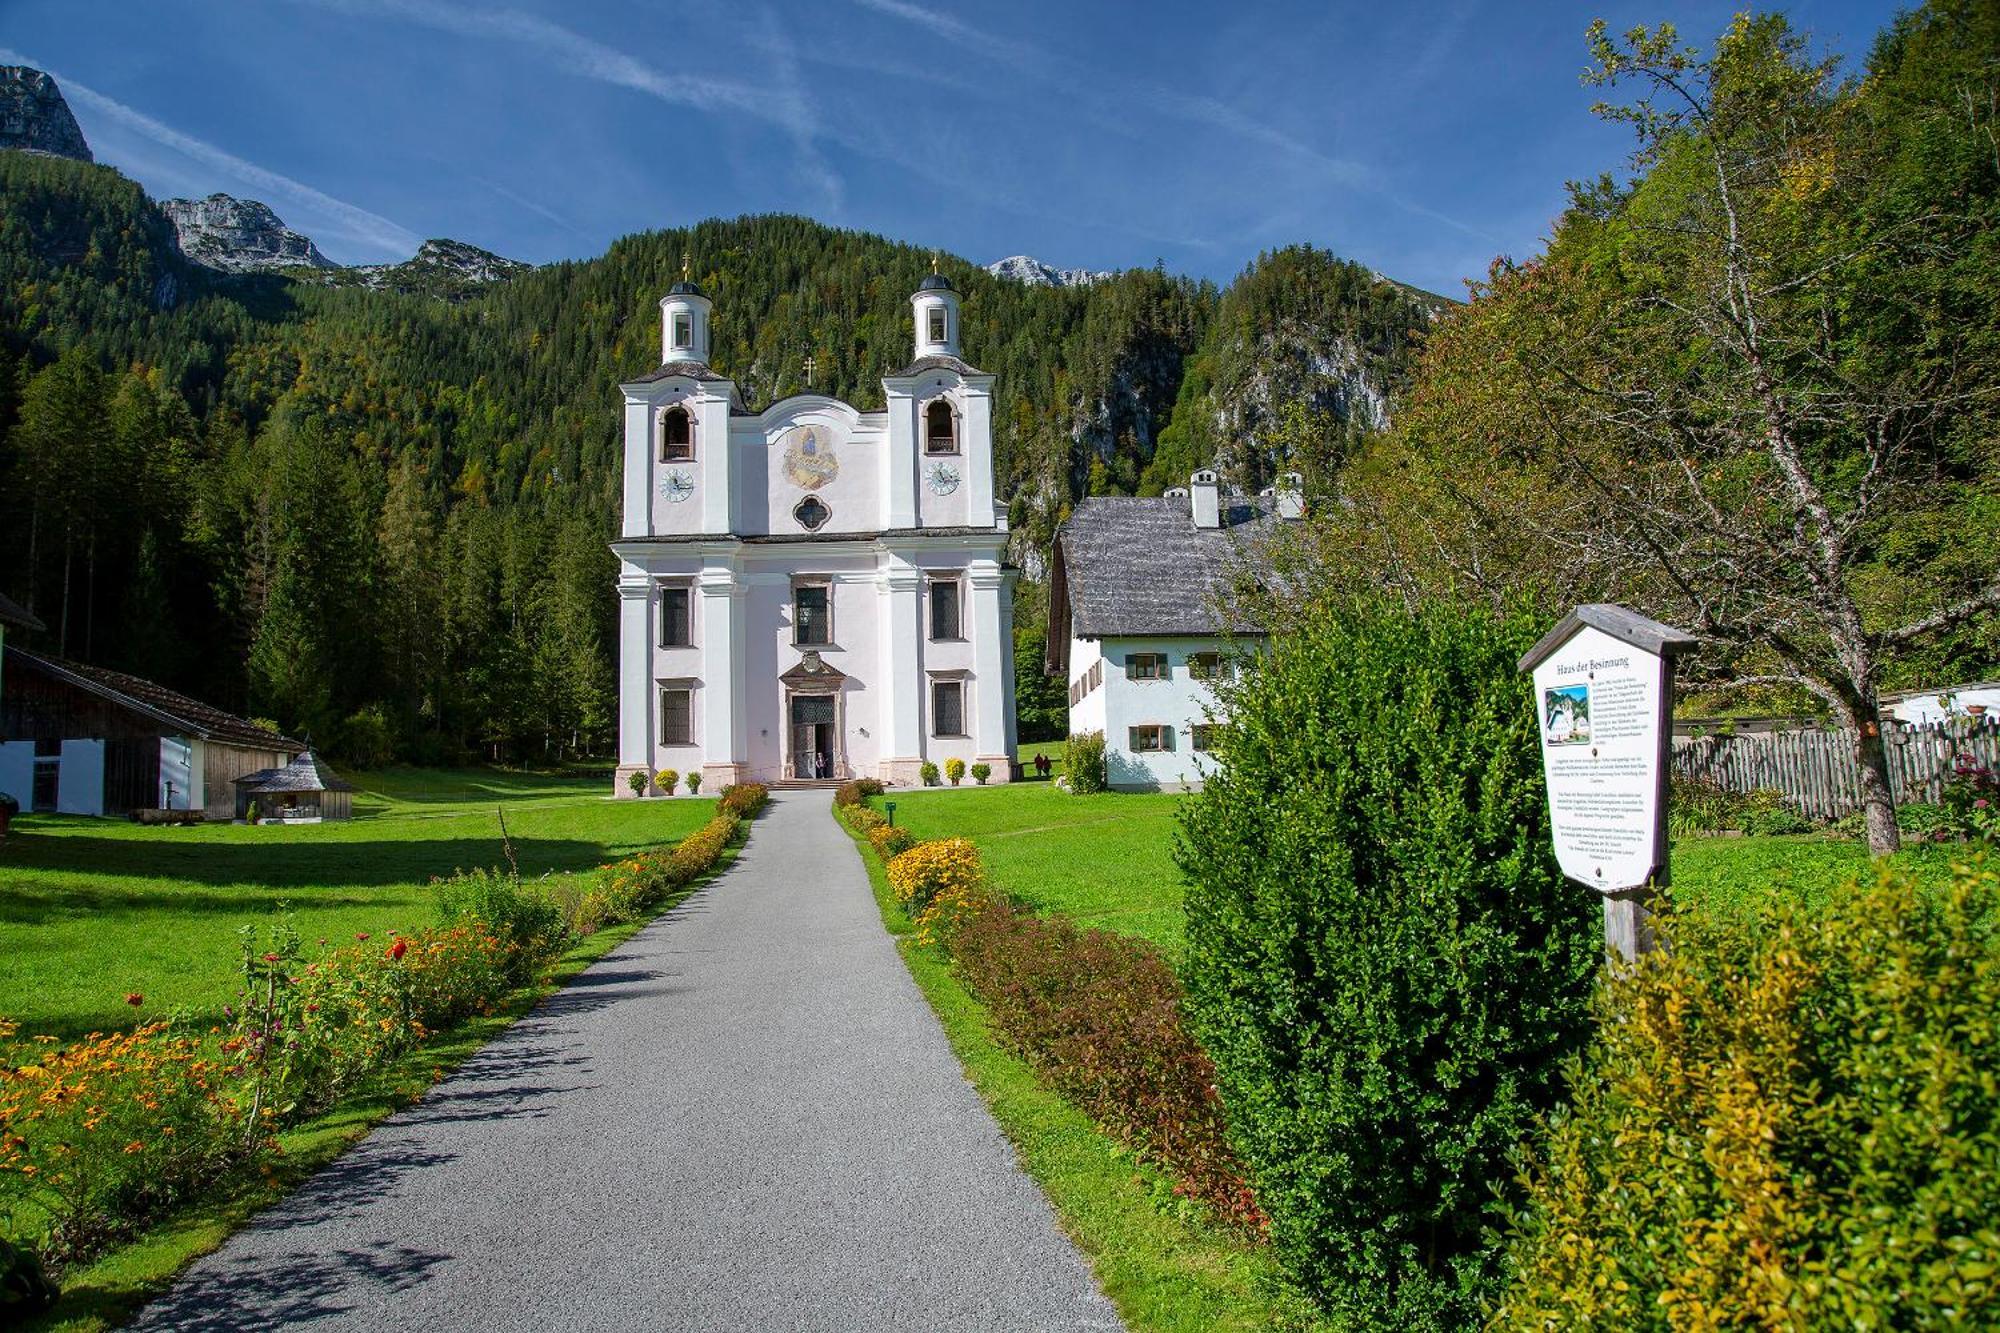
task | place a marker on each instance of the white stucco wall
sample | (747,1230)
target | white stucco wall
(1918,709)
(80,781)
(1178,701)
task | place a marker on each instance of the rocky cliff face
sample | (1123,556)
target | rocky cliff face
(34,117)
(239,236)
(1034,273)
(441,267)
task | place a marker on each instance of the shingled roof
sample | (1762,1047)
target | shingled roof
(303,774)
(1141,567)
(169,706)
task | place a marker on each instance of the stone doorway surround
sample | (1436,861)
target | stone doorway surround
(814,677)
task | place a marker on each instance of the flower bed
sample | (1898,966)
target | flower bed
(102,1137)
(1097,1015)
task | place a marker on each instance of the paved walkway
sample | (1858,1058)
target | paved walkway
(744,1118)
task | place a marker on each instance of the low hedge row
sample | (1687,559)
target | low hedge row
(102,1137)
(1097,1015)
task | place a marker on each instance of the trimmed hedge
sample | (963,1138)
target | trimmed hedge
(744,799)
(1384,961)
(1793,1127)
(855,792)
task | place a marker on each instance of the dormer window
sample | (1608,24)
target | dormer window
(683,337)
(940,428)
(935,324)
(676,436)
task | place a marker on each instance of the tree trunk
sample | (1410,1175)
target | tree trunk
(1878,801)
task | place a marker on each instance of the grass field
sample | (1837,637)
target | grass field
(93,909)
(1106,860)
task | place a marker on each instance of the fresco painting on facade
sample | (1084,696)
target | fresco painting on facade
(804,595)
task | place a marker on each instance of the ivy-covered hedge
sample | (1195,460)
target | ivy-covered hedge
(1792,1127)
(1383,960)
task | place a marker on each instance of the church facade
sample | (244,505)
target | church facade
(810,591)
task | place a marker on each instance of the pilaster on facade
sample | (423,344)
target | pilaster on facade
(993,689)
(721,595)
(635,693)
(901,585)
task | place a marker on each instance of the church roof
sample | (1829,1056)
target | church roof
(935,282)
(692,369)
(175,709)
(924,363)
(1131,566)
(686,288)
(305,773)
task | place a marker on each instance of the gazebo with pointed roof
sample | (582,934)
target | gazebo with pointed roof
(303,791)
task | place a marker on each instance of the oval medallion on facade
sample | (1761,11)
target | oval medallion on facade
(809,457)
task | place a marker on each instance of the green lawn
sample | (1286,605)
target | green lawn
(1105,860)
(1102,859)
(91,909)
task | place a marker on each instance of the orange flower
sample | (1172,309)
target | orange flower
(135,999)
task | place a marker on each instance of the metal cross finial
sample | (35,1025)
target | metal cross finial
(934,261)
(810,366)
(684,266)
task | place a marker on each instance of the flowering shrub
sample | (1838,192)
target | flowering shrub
(939,884)
(861,818)
(889,842)
(666,780)
(1099,1017)
(744,799)
(954,770)
(523,915)
(1971,800)
(103,1134)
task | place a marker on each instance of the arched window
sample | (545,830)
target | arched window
(811,513)
(940,428)
(676,436)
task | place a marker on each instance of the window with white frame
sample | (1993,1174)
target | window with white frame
(676,715)
(947,708)
(676,617)
(937,324)
(812,613)
(944,609)
(683,331)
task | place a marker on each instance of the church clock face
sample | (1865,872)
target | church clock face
(942,478)
(676,484)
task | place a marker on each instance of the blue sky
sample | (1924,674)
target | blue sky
(1420,138)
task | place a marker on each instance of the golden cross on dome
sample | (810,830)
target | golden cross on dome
(934,261)
(684,267)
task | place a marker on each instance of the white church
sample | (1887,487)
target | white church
(810,592)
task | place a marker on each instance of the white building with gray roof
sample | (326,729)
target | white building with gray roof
(1139,623)
(809,591)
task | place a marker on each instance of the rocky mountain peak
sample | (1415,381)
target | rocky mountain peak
(444,257)
(34,117)
(1034,273)
(233,235)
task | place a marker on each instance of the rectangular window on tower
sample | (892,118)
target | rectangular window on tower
(944,609)
(937,324)
(676,617)
(812,614)
(683,331)
(947,708)
(677,717)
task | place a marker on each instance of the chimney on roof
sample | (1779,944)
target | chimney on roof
(1206,493)
(1291,489)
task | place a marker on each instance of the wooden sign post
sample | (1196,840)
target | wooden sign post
(1604,704)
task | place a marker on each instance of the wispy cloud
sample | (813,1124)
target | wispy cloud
(574,53)
(1057,70)
(355,223)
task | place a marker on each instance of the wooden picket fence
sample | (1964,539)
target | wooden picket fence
(1816,769)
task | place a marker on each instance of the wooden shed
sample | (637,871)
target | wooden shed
(304,791)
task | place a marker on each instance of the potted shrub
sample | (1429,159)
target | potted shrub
(929,773)
(694,783)
(666,780)
(954,771)
(638,780)
(981,772)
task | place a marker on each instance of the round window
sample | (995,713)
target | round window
(811,513)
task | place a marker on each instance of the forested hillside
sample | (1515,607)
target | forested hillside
(381,516)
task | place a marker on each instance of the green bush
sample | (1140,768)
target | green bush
(637,780)
(744,799)
(1383,959)
(366,739)
(1766,813)
(853,793)
(928,773)
(981,772)
(1793,1127)
(1083,763)
(954,770)
(693,780)
(522,915)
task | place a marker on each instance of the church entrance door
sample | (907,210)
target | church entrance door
(812,736)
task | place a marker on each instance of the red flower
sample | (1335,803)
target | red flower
(398,949)
(362,936)
(270,958)
(135,999)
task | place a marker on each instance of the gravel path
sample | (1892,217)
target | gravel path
(744,1118)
